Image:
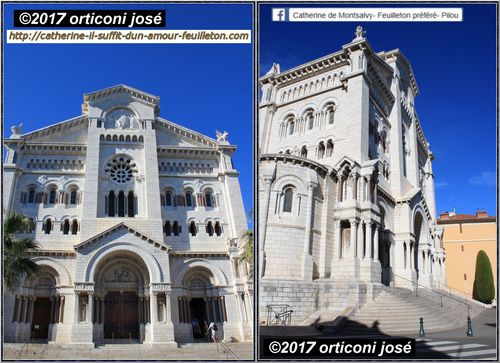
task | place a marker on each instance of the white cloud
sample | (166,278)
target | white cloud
(440,185)
(486,178)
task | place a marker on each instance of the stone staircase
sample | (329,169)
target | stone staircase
(123,352)
(398,310)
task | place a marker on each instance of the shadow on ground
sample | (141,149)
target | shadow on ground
(327,329)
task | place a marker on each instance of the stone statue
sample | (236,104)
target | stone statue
(17,130)
(121,122)
(221,136)
(274,70)
(359,32)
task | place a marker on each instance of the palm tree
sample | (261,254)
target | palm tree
(16,262)
(247,254)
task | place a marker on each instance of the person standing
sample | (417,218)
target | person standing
(212,328)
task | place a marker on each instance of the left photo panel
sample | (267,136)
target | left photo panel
(127,181)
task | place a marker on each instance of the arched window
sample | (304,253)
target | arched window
(291,127)
(74,227)
(330,113)
(131,204)
(111,204)
(169,199)
(168,228)
(288,199)
(209,199)
(176,229)
(192,228)
(121,204)
(329,148)
(303,152)
(209,229)
(189,198)
(31,195)
(52,195)
(310,120)
(47,226)
(73,196)
(321,150)
(218,229)
(65,226)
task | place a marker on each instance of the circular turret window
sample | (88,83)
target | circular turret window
(121,169)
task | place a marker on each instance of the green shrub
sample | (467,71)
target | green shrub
(484,287)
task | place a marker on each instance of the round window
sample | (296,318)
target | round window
(121,169)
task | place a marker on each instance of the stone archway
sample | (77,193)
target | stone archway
(121,299)
(202,302)
(39,307)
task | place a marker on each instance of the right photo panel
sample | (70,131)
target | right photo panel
(377,235)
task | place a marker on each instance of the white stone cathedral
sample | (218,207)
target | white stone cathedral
(139,222)
(346,187)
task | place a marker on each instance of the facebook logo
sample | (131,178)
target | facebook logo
(279,14)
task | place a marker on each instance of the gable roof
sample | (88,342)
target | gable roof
(117,227)
(122,88)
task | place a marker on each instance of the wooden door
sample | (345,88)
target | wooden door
(41,318)
(130,326)
(121,315)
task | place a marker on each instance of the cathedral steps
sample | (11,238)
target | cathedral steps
(398,310)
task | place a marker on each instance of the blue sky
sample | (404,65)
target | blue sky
(455,69)
(202,87)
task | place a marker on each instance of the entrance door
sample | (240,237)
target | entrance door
(197,308)
(121,315)
(41,318)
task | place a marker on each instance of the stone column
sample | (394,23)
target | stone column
(32,310)
(154,308)
(360,240)
(375,243)
(352,248)
(56,309)
(368,240)
(52,310)
(263,226)
(362,192)
(354,183)
(76,316)
(207,309)
(221,309)
(147,310)
(90,307)
(141,308)
(369,189)
(213,309)
(168,308)
(103,309)
(97,308)
(309,219)
(337,240)
(61,309)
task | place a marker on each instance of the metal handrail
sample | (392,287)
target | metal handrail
(19,354)
(228,350)
(450,289)
(434,291)
(281,315)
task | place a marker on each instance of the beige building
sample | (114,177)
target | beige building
(464,236)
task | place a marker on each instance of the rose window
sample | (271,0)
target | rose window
(121,169)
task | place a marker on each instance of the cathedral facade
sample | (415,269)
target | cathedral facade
(139,222)
(346,186)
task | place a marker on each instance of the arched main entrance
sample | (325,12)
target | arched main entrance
(121,300)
